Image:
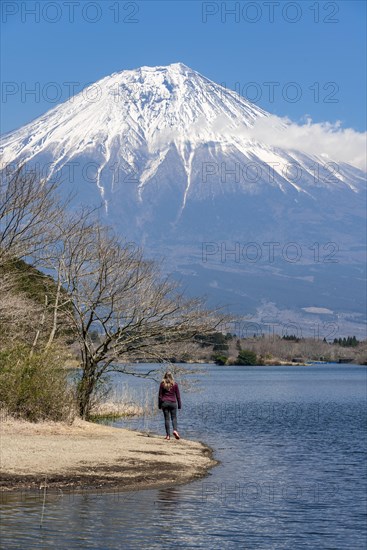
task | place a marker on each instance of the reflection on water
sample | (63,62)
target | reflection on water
(291,442)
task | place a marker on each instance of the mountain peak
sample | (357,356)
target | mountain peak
(134,109)
(177,67)
(173,71)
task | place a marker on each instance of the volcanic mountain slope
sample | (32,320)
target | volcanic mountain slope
(177,162)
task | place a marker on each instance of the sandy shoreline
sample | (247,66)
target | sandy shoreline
(87,456)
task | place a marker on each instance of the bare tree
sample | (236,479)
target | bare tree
(28,204)
(122,297)
(26,299)
(29,210)
(70,235)
(17,314)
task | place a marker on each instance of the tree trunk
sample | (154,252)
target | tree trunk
(85,391)
(55,315)
(42,322)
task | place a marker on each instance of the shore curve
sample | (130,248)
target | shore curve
(88,456)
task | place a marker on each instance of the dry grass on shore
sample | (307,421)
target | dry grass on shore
(124,402)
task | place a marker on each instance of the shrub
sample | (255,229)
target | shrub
(219,359)
(221,347)
(246,357)
(35,387)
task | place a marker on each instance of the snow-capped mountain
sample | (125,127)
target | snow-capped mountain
(131,121)
(178,163)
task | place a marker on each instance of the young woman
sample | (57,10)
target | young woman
(168,400)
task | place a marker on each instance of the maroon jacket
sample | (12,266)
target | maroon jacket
(172,395)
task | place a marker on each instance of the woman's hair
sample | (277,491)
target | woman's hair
(168,380)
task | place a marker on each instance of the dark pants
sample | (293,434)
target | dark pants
(169,409)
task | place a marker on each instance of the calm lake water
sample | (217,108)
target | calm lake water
(292,446)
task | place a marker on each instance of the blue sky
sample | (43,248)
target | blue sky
(291,58)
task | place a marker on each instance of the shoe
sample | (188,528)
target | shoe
(176,434)
(167,437)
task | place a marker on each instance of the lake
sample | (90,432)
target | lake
(292,447)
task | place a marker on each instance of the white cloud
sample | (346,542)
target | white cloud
(320,310)
(323,139)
